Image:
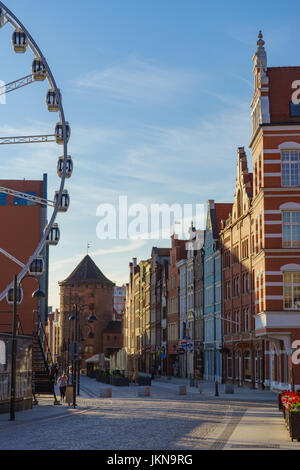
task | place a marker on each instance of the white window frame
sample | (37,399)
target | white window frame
(290,164)
(290,243)
(292,284)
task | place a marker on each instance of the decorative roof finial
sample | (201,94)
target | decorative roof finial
(260,43)
(260,57)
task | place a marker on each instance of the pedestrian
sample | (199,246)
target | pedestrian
(63,382)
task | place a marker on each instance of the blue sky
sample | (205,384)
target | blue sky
(158,96)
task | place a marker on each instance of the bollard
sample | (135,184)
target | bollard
(182,390)
(144,392)
(217,389)
(106,394)
(229,388)
(200,387)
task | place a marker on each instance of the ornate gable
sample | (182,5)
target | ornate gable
(243,194)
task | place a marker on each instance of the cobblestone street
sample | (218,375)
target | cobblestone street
(164,421)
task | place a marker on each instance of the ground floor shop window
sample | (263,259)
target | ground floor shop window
(247,365)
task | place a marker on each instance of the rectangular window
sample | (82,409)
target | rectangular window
(209,296)
(245,252)
(235,254)
(236,286)
(292,290)
(290,167)
(227,290)
(246,320)
(218,294)
(245,283)
(291,229)
(209,266)
(227,259)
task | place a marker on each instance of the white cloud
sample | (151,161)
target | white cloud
(134,245)
(138,82)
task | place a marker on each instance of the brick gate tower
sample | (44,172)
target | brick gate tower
(93,293)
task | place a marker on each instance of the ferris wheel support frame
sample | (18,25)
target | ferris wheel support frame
(11,18)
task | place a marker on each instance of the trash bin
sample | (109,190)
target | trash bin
(69,394)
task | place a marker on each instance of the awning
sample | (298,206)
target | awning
(94,360)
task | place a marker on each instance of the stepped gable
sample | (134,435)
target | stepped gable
(87,271)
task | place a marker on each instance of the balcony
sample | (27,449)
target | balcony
(282,319)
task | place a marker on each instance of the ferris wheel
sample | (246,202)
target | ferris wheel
(40,71)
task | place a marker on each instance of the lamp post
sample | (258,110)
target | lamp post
(14,354)
(17,299)
(76,348)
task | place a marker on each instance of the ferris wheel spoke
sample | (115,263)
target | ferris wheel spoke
(12,86)
(12,258)
(10,20)
(31,139)
(27,197)
(3,20)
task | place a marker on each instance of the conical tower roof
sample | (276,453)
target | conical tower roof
(87,272)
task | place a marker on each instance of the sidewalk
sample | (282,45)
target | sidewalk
(261,428)
(209,390)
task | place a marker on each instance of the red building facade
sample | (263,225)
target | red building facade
(22,225)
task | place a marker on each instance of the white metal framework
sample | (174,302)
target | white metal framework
(21,40)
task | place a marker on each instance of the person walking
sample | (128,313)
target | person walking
(62,383)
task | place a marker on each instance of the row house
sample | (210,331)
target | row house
(177,253)
(212,286)
(137,318)
(191,306)
(159,260)
(243,351)
(129,321)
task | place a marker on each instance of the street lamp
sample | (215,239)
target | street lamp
(76,350)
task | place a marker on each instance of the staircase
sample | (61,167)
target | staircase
(43,383)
